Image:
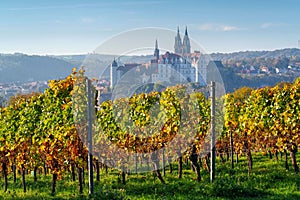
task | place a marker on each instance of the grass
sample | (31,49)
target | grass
(269,180)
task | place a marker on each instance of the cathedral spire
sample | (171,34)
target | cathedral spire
(178,43)
(186,46)
(156,50)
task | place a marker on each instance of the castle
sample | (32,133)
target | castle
(182,66)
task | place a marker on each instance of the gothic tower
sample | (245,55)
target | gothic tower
(178,44)
(156,51)
(186,46)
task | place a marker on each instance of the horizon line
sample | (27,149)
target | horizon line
(108,54)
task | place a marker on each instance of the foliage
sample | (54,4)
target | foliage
(40,130)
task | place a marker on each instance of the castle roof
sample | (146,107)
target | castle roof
(128,66)
(170,56)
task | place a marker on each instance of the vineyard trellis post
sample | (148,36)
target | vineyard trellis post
(231,151)
(89,136)
(212,133)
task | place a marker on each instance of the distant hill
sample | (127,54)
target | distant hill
(78,60)
(20,67)
(96,63)
(233,81)
(256,54)
(280,53)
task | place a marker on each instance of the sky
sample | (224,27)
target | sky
(59,27)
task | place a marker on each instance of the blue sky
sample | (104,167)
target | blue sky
(77,26)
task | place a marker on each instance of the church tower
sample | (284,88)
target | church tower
(186,46)
(113,73)
(156,51)
(178,44)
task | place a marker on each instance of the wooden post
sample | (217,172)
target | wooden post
(212,132)
(89,137)
(136,162)
(163,162)
(231,151)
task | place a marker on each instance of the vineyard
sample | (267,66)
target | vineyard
(44,133)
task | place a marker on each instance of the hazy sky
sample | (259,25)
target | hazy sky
(77,26)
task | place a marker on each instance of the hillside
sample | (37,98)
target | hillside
(256,54)
(22,68)
(233,81)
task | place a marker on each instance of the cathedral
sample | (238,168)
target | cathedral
(182,66)
(182,48)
